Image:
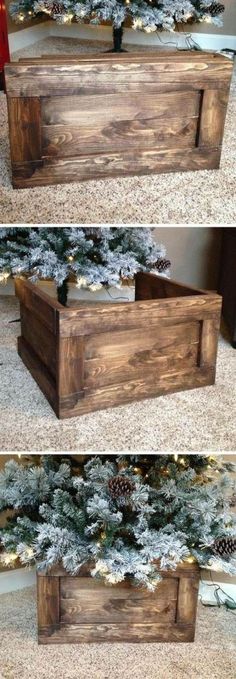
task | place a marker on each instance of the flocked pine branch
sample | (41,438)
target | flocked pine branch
(146,15)
(92,257)
(120,515)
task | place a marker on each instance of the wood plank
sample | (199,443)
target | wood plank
(74,87)
(84,111)
(113,610)
(187,601)
(37,335)
(163,339)
(122,316)
(24,127)
(48,601)
(209,342)
(123,57)
(70,140)
(123,368)
(118,632)
(169,69)
(136,390)
(55,171)
(70,368)
(212,121)
(41,305)
(152,286)
(39,372)
(184,568)
(75,587)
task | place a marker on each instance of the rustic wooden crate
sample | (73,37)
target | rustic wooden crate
(80,609)
(105,115)
(104,354)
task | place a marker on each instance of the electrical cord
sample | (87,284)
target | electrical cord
(217,591)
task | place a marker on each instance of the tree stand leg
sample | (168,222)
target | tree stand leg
(62,293)
(117,40)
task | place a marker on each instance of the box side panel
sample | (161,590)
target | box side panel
(85,120)
(114,358)
(103,604)
(83,609)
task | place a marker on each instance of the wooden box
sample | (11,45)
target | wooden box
(107,115)
(104,354)
(81,609)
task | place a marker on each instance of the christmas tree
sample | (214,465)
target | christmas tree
(145,15)
(93,257)
(119,515)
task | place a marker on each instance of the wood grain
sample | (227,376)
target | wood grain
(84,111)
(73,119)
(100,355)
(68,140)
(212,121)
(42,340)
(63,170)
(137,389)
(82,609)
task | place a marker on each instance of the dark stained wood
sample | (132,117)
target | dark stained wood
(212,121)
(78,118)
(70,370)
(99,355)
(150,286)
(48,597)
(38,302)
(208,342)
(37,335)
(82,609)
(39,372)
(118,108)
(99,373)
(137,390)
(69,141)
(227,279)
(56,171)
(187,600)
(24,126)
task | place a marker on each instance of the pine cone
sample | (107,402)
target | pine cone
(216,8)
(162,265)
(54,7)
(224,546)
(120,486)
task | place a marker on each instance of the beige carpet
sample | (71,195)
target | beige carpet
(211,656)
(192,197)
(197,420)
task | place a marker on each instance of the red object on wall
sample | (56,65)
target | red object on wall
(4,45)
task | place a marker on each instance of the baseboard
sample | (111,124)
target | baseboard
(28,36)
(19,578)
(207,591)
(32,34)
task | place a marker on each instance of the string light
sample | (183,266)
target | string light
(9,558)
(4,275)
(191,559)
(176,457)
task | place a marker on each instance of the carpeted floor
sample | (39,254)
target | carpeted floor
(211,656)
(197,420)
(192,197)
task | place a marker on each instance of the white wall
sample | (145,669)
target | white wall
(207,36)
(194,253)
